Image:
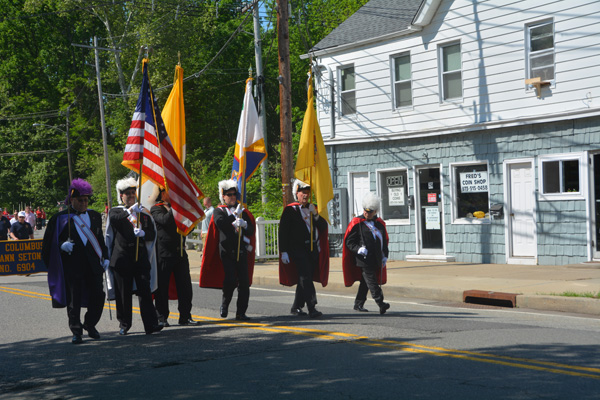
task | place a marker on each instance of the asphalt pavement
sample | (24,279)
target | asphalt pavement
(539,287)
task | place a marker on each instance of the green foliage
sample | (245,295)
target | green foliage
(42,76)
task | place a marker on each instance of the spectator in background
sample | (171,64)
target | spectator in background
(4,227)
(21,229)
(15,217)
(43,217)
(38,219)
(30,217)
(5,212)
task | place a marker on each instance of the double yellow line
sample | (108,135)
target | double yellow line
(515,362)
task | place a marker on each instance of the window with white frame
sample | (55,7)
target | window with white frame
(471,191)
(540,50)
(347,90)
(402,80)
(451,68)
(393,190)
(561,176)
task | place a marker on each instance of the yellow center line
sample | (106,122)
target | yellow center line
(515,362)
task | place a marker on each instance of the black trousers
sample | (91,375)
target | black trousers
(236,275)
(305,290)
(124,279)
(368,282)
(95,299)
(180,269)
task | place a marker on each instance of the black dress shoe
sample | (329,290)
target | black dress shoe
(360,308)
(188,321)
(77,339)
(297,311)
(92,332)
(314,313)
(154,329)
(224,311)
(242,317)
(383,307)
(123,332)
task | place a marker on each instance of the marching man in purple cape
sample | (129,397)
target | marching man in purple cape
(76,257)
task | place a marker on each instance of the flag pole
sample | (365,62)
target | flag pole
(242,173)
(137,223)
(310,174)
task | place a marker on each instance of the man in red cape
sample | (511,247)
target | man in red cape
(228,263)
(365,254)
(300,263)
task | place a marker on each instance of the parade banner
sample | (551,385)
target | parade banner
(21,257)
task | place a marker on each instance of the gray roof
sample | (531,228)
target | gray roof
(374,19)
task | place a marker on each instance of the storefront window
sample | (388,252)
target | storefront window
(471,191)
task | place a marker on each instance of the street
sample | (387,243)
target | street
(419,349)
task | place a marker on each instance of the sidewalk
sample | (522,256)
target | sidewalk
(536,286)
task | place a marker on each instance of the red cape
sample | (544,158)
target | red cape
(212,273)
(352,273)
(288,273)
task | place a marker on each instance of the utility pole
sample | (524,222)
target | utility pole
(260,87)
(103,124)
(69,146)
(101,104)
(285,100)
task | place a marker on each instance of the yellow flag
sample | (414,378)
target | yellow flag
(312,166)
(173,115)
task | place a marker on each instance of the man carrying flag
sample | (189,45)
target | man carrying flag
(303,236)
(231,227)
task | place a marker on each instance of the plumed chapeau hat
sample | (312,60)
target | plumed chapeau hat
(371,202)
(224,186)
(78,188)
(124,184)
(298,185)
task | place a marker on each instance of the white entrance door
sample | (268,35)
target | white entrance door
(595,195)
(520,218)
(360,187)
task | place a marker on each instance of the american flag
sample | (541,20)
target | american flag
(150,150)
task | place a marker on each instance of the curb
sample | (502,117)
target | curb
(576,305)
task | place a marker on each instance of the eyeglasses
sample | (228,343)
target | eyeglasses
(229,194)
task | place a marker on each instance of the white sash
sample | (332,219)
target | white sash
(81,225)
(376,232)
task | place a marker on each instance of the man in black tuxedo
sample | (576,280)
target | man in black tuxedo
(76,256)
(172,259)
(366,247)
(295,238)
(128,265)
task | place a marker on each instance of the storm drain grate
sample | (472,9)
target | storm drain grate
(497,299)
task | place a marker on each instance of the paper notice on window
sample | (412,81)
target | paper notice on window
(473,182)
(396,196)
(432,218)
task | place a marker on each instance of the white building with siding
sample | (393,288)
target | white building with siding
(477,123)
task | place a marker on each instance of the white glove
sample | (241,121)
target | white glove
(136,208)
(67,246)
(105,264)
(285,258)
(138,232)
(239,209)
(313,209)
(363,251)
(240,223)
(384,261)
